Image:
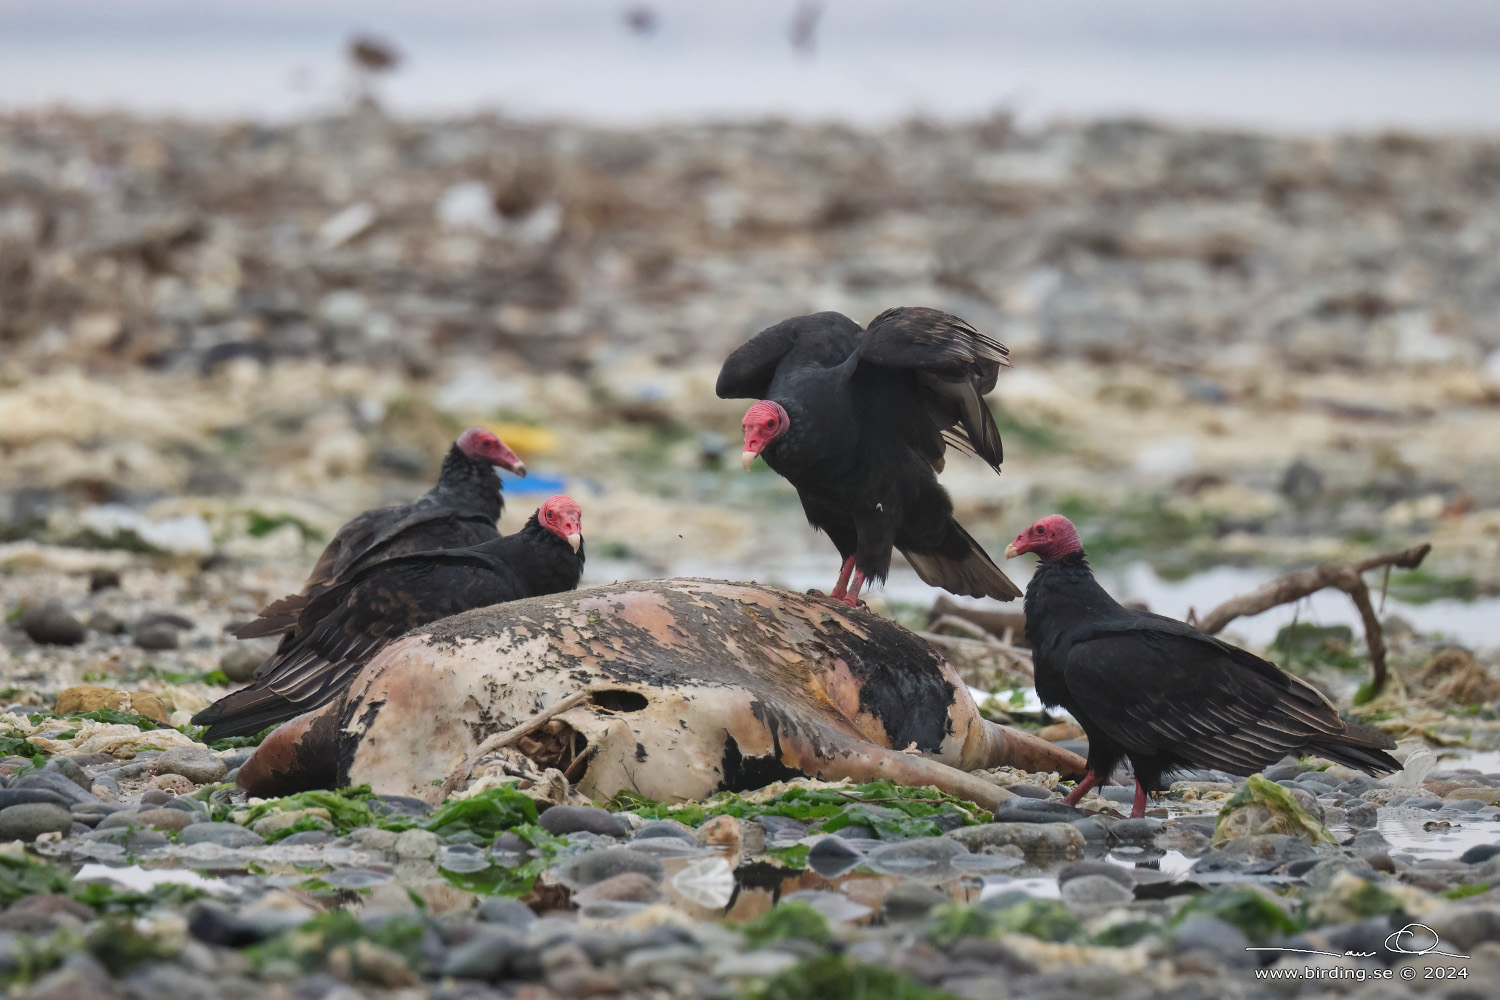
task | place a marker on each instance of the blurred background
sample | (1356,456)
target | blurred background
(260,262)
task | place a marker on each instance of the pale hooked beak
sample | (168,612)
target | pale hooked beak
(575,540)
(519,468)
(746,458)
(1010,551)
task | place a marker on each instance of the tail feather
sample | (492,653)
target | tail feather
(247,712)
(1359,747)
(971,574)
(279,616)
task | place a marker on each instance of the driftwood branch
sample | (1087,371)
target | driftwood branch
(507,737)
(1018,657)
(1295,586)
(996,623)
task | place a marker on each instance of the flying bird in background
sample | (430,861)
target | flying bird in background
(859,421)
(1161,693)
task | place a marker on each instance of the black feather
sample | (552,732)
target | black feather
(1169,697)
(872,414)
(341,628)
(461,510)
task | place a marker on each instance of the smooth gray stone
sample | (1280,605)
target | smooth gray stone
(69,769)
(223,834)
(52,624)
(1036,811)
(1135,831)
(30,820)
(484,956)
(562,820)
(54,781)
(596,866)
(909,900)
(17,796)
(507,912)
(1095,890)
(655,828)
(199,765)
(1089,866)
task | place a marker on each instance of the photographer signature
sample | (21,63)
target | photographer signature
(1413,939)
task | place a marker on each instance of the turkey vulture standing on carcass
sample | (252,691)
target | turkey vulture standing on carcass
(859,421)
(1162,693)
(461,510)
(341,628)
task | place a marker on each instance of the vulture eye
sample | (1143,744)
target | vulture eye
(550,514)
(1040,530)
(770,423)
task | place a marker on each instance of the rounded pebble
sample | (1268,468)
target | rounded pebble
(52,624)
(30,820)
(563,820)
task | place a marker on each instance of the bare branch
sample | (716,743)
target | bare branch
(1295,586)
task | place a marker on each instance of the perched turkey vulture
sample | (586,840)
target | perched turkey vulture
(859,421)
(1160,692)
(341,628)
(461,510)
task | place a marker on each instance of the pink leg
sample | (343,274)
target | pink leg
(1139,808)
(843,584)
(852,597)
(1082,788)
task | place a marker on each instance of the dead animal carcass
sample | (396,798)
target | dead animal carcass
(682,688)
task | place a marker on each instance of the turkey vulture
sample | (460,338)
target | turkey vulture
(342,627)
(461,510)
(1160,692)
(859,421)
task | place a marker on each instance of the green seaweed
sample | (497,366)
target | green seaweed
(952,922)
(794,921)
(1418,586)
(308,945)
(834,977)
(1256,915)
(813,804)
(262,525)
(1288,816)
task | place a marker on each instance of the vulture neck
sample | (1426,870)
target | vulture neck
(547,563)
(473,484)
(1062,590)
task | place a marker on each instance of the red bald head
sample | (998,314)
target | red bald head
(564,518)
(484,446)
(764,422)
(1051,538)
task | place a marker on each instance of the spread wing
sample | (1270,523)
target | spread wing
(823,340)
(954,366)
(342,628)
(373,535)
(1167,689)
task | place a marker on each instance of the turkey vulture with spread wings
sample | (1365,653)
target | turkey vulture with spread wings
(461,510)
(341,628)
(1160,692)
(859,421)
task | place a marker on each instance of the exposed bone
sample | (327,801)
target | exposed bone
(493,743)
(1295,586)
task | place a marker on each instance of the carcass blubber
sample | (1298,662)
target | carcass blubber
(691,687)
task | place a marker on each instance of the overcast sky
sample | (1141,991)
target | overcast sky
(1299,64)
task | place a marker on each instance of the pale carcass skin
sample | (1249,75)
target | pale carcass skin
(694,687)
